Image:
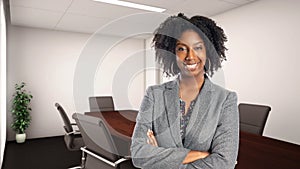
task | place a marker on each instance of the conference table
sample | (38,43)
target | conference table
(255,152)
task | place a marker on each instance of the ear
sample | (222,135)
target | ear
(207,65)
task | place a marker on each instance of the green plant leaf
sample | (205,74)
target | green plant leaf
(21,109)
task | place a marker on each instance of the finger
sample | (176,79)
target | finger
(149,135)
(150,141)
(150,132)
(154,141)
(152,138)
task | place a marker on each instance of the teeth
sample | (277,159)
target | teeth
(193,66)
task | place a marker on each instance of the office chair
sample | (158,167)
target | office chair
(100,149)
(101,103)
(253,117)
(72,138)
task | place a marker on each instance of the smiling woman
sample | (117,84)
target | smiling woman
(188,122)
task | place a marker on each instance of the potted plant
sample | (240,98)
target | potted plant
(21,112)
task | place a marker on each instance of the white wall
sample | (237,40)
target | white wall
(47,61)
(121,74)
(2,81)
(263,61)
(153,73)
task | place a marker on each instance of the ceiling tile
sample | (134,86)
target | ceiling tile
(34,17)
(53,5)
(97,9)
(138,24)
(208,8)
(176,12)
(167,4)
(238,2)
(87,15)
(80,23)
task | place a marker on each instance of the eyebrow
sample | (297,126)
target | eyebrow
(180,43)
(200,42)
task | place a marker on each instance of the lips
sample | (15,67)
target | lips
(191,66)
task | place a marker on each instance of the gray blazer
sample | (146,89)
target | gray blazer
(213,127)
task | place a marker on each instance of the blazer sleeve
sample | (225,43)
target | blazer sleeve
(148,156)
(224,148)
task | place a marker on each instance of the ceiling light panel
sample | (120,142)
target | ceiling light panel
(132,5)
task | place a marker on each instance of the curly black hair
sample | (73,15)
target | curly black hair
(167,34)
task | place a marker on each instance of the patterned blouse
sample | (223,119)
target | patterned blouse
(185,117)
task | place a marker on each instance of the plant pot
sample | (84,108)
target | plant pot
(20,138)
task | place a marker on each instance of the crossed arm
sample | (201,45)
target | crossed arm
(192,156)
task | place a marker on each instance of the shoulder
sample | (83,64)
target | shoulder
(161,87)
(220,91)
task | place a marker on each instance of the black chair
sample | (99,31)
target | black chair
(253,117)
(73,138)
(101,103)
(100,149)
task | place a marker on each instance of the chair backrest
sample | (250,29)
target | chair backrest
(96,136)
(67,124)
(101,103)
(253,117)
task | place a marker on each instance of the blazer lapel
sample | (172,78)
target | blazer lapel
(199,112)
(172,110)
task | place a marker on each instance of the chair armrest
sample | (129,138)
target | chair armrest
(73,132)
(120,161)
(114,164)
(77,131)
(127,157)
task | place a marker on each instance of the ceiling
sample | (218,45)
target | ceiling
(88,16)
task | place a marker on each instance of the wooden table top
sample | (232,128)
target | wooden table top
(119,122)
(255,152)
(260,152)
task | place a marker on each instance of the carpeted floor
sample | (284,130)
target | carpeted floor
(41,153)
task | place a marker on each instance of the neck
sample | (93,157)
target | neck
(191,82)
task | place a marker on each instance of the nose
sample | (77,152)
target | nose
(191,55)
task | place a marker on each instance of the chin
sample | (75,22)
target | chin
(193,74)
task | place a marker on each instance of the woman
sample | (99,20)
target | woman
(189,122)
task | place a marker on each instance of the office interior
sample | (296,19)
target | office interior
(262,66)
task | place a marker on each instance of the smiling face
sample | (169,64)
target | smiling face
(190,54)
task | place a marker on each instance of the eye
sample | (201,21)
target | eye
(181,49)
(197,48)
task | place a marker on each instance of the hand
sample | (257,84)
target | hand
(151,138)
(194,155)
